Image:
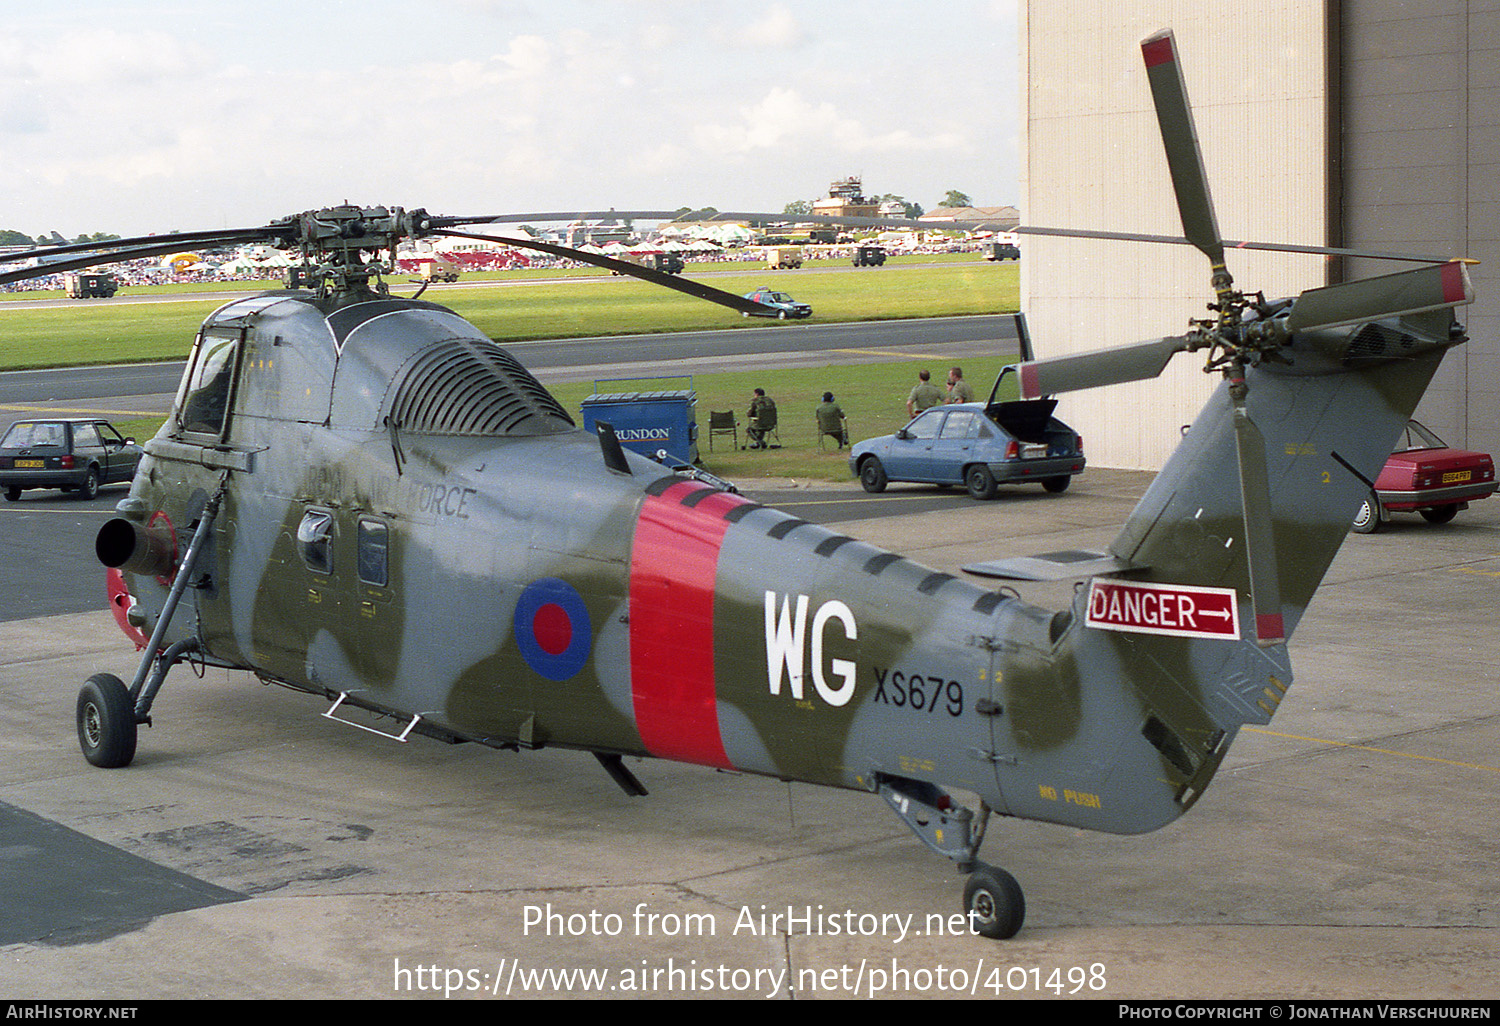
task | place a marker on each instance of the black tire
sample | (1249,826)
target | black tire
(872,475)
(1367,520)
(89,489)
(781,315)
(1439,514)
(106,722)
(994,903)
(980,482)
(1057,484)
(13,493)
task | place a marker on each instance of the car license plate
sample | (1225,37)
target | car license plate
(1457,476)
(31,464)
(1033,452)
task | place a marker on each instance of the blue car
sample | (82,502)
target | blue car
(777,304)
(978,445)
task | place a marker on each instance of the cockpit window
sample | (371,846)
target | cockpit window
(206,395)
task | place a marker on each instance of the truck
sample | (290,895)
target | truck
(666,263)
(783,256)
(1002,251)
(80,285)
(437,270)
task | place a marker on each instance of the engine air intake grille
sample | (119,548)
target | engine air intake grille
(471,387)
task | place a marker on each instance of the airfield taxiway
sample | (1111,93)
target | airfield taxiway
(256,849)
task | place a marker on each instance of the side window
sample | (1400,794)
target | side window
(85,436)
(373,552)
(315,540)
(960,425)
(207,389)
(925,426)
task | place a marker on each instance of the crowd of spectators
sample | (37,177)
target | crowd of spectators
(151,272)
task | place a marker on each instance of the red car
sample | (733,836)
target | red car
(1424,476)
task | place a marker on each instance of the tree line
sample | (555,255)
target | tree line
(954,198)
(11,237)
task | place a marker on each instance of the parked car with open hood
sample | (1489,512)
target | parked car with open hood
(978,445)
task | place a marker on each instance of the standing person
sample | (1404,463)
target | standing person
(761,418)
(831,420)
(959,390)
(924,395)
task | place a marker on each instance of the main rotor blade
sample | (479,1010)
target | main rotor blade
(1273,247)
(550,216)
(181,240)
(671,281)
(1102,367)
(95,259)
(1390,295)
(1181,140)
(1260,538)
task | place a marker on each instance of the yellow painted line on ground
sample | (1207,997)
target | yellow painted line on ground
(830,502)
(24,508)
(89,411)
(1378,751)
(1473,570)
(897,354)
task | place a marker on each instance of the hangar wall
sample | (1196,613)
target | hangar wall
(1092,158)
(1420,86)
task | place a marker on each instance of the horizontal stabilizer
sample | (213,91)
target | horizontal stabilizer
(1053,566)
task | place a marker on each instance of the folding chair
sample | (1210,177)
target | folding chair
(722,424)
(843,438)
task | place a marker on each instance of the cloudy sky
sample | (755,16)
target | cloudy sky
(132,116)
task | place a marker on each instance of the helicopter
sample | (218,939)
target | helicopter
(361,497)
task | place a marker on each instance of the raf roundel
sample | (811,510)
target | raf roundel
(553,629)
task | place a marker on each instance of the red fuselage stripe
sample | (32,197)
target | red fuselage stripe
(673,568)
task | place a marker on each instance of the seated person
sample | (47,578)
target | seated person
(761,418)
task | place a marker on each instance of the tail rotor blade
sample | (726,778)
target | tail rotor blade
(1103,367)
(1260,539)
(1390,295)
(1184,159)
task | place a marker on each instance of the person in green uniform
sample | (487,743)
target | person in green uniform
(831,421)
(959,390)
(761,418)
(924,395)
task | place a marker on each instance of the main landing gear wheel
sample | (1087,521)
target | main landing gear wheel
(994,903)
(106,721)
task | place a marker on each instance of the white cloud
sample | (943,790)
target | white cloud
(778,28)
(180,119)
(784,119)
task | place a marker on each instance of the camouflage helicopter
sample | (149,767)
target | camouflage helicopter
(362,497)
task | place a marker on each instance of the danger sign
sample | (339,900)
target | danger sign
(1179,610)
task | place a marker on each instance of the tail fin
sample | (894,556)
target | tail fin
(1329,418)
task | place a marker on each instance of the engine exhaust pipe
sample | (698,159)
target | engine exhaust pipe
(124,545)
